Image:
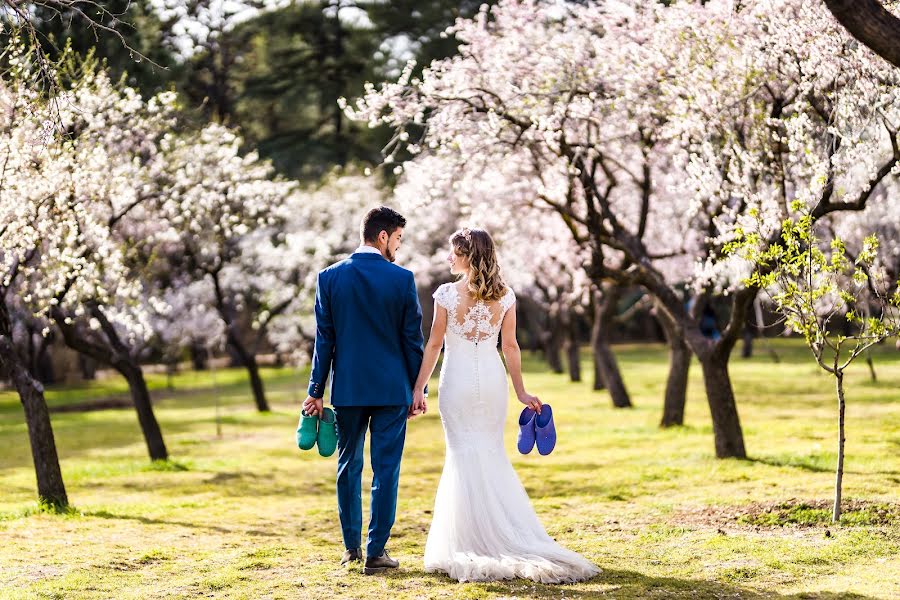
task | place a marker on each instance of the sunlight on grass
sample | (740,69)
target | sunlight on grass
(247,515)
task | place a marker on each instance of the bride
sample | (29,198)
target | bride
(484,527)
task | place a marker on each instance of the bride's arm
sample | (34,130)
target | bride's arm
(432,351)
(513,355)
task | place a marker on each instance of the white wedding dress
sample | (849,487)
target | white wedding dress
(484,527)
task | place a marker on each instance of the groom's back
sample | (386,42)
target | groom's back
(369,301)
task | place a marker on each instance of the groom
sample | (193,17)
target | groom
(369,333)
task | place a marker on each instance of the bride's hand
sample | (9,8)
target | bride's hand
(419,404)
(531,401)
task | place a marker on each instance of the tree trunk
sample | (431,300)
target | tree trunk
(871,364)
(256,384)
(51,489)
(747,348)
(248,359)
(597,330)
(41,365)
(574,360)
(573,354)
(171,372)
(140,395)
(599,384)
(199,357)
(838,480)
(553,348)
(713,357)
(870,23)
(609,370)
(87,366)
(113,352)
(605,364)
(679,366)
(676,385)
(531,325)
(598,373)
(729,438)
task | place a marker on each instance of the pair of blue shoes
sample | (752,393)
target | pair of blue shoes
(537,429)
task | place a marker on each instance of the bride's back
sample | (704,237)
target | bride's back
(469,318)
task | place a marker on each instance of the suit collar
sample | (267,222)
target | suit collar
(367,256)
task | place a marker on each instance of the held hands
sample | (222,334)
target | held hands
(312,406)
(419,404)
(531,401)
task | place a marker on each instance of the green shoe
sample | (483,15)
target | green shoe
(327,439)
(306,431)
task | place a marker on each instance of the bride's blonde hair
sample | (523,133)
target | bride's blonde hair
(485,282)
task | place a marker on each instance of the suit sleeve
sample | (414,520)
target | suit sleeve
(324,349)
(413,340)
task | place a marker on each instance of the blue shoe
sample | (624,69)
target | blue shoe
(545,431)
(526,430)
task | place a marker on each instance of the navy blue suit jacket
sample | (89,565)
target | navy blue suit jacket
(368,331)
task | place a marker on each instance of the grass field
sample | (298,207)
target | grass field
(247,515)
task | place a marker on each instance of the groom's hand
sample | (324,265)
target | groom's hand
(419,405)
(312,406)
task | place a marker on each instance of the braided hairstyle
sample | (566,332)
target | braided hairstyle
(485,282)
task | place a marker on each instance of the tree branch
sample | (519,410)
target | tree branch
(870,23)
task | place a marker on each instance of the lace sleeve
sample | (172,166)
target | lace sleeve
(445,296)
(508,299)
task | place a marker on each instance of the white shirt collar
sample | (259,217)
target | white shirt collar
(368,249)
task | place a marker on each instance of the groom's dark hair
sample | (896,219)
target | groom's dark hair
(378,220)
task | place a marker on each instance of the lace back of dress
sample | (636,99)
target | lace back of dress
(474,320)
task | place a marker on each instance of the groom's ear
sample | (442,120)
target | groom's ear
(383,237)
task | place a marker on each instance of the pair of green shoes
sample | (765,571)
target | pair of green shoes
(315,430)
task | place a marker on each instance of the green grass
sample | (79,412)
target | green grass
(820,513)
(247,515)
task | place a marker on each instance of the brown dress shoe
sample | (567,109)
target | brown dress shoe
(354,555)
(377,564)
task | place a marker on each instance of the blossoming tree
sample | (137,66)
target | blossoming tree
(114,136)
(216,204)
(56,244)
(653,131)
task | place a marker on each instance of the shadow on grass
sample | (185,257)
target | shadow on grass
(230,484)
(104,514)
(620,583)
(79,434)
(166,466)
(812,464)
